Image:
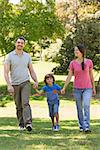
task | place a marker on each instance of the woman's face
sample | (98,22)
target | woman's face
(77,52)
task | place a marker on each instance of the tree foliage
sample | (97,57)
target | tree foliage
(86,30)
(29,18)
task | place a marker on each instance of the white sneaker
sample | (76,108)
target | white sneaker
(21,128)
(57,128)
(81,130)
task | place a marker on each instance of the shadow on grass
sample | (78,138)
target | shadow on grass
(42,137)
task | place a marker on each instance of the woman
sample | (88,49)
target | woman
(81,68)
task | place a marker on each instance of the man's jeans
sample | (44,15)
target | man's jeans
(82,97)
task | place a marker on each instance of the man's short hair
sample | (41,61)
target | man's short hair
(21,37)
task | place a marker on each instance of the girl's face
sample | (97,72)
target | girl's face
(49,81)
(77,52)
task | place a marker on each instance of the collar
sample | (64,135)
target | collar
(17,54)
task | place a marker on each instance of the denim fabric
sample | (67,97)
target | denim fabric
(82,97)
(53,109)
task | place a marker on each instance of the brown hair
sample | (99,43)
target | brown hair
(49,76)
(82,49)
(21,38)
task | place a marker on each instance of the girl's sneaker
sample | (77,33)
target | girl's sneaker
(53,128)
(57,128)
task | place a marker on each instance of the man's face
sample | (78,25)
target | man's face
(20,44)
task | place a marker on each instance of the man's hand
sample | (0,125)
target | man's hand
(11,90)
(35,85)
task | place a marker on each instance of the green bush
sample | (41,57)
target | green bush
(4,96)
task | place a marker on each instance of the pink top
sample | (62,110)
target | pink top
(82,77)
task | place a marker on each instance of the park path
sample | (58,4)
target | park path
(67,111)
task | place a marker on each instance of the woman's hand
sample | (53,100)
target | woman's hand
(63,91)
(94,91)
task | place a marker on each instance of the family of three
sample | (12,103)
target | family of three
(19,64)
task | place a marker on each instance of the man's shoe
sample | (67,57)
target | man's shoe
(29,127)
(21,128)
(53,128)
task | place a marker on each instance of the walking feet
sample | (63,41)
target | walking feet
(28,127)
(85,130)
(55,128)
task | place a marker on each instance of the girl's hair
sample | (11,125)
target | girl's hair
(82,49)
(49,76)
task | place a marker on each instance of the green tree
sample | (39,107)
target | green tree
(5,26)
(31,19)
(87,31)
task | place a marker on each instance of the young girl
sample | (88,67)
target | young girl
(51,89)
(81,68)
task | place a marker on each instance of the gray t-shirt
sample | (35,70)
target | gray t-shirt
(18,67)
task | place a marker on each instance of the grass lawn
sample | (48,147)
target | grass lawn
(42,138)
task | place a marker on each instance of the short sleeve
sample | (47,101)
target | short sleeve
(58,87)
(7,60)
(44,88)
(30,60)
(91,65)
(71,66)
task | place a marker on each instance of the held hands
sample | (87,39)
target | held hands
(63,91)
(35,85)
(11,90)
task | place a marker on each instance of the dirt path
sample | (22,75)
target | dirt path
(67,111)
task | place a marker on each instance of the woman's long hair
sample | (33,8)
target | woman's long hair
(82,49)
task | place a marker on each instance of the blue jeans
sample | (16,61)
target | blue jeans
(82,97)
(53,109)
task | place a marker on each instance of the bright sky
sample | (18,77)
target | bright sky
(17,1)
(14,1)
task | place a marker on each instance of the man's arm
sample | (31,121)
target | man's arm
(6,76)
(33,75)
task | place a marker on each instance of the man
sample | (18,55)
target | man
(18,63)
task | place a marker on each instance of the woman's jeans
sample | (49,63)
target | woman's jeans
(82,97)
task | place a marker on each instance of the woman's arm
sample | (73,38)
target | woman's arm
(67,81)
(92,81)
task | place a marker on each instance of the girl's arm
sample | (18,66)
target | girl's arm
(39,91)
(67,81)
